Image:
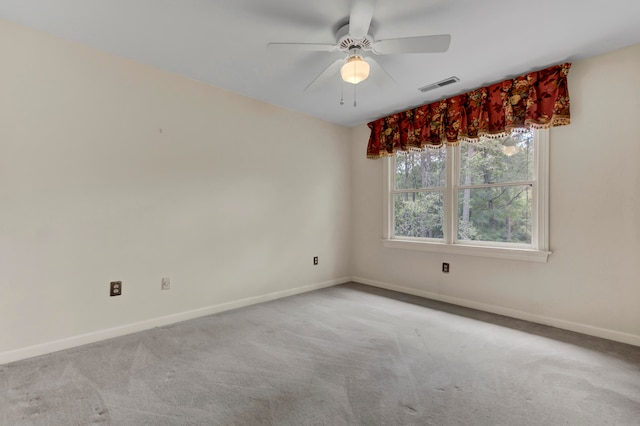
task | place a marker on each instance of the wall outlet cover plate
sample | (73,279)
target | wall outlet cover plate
(115,288)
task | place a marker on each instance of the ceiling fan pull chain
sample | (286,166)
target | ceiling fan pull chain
(354,96)
(354,87)
(342,93)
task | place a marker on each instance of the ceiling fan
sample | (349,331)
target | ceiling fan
(355,38)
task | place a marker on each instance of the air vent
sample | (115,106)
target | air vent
(439,84)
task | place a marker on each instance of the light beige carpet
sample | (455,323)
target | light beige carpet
(344,355)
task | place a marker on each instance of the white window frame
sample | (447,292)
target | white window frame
(537,251)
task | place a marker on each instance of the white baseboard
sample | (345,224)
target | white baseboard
(83,339)
(590,330)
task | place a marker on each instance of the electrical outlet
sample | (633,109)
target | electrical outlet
(445,268)
(166,283)
(115,288)
(315,260)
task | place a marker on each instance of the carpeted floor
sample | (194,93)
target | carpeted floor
(350,354)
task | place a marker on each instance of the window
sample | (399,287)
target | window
(487,198)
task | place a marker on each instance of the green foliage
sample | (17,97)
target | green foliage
(488,210)
(485,162)
(425,169)
(497,214)
(419,214)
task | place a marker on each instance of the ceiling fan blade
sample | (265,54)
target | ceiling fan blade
(325,75)
(303,47)
(379,75)
(425,44)
(360,17)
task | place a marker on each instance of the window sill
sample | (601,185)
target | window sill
(469,250)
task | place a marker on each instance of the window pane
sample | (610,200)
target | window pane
(419,214)
(508,159)
(424,169)
(501,214)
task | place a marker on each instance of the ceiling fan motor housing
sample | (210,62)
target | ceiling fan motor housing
(346,42)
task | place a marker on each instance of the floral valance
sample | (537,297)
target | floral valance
(539,99)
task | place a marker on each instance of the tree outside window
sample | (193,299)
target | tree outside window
(475,192)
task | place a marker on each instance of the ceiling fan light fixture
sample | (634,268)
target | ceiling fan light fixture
(355,70)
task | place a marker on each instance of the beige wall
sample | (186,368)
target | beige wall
(111,170)
(592,280)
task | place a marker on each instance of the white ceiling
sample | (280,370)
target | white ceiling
(223,42)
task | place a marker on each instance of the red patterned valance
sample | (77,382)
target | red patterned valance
(536,100)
